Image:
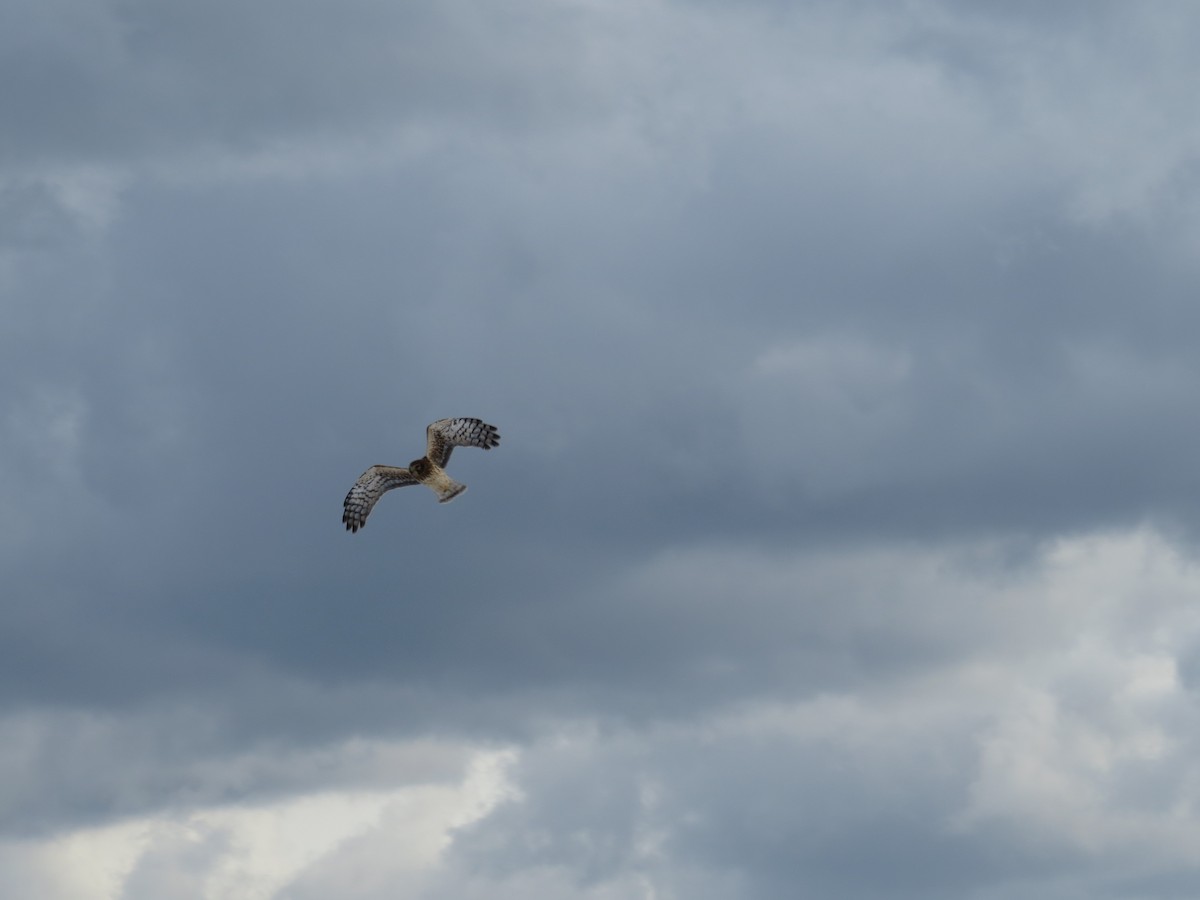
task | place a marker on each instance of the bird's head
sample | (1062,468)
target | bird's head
(420,468)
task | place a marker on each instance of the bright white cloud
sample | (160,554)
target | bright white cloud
(1061,728)
(255,851)
(1050,715)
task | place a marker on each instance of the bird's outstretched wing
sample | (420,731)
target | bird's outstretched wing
(446,434)
(371,485)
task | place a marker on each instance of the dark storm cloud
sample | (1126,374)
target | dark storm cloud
(242,362)
(783,314)
(118,82)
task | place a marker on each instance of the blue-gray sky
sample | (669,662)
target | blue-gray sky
(842,538)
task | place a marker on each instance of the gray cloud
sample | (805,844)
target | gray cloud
(812,332)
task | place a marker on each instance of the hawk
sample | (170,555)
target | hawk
(440,440)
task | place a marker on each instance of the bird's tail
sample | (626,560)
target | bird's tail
(448,491)
(443,485)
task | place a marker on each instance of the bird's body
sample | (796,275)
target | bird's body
(435,478)
(441,438)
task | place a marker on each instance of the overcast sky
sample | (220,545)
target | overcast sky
(842,540)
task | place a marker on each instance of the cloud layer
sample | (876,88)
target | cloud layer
(841,538)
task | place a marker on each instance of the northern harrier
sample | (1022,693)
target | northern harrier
(441,438)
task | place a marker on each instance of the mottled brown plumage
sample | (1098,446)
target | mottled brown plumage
(440,440)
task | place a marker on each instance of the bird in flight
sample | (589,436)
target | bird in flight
(440,440)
